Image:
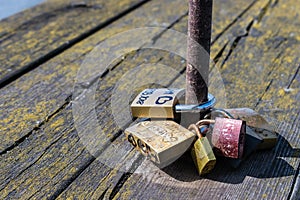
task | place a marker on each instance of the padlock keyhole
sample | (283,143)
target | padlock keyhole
(142,146)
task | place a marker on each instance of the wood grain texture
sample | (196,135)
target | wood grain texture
(184,183)
(36,35)
(51,161)
(33,117)
(20,118)
(46,168)
(40,170)
(46,95)
(264,172)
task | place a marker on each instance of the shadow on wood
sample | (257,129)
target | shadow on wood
(261,164)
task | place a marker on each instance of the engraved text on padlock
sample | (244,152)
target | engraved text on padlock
(162,141)
(156,103)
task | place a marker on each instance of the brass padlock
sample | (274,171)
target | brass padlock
(164,103)
(156,103)
(162,141)
(258,124)
(202,152)
(269,138)
(227,136)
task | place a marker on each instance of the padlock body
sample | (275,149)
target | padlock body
(203,156)
(228,137)
(258,124)
(269,138)
(162,141)
(156,103)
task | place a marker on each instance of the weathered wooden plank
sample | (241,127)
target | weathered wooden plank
(58,152)
(280,102)
(295,84)
(295,192)
(271,48)
(36,35)
(226,178)
(53,186)
(28,169)
(256,174)
(44,96)
(34,115)
(222,175)
(56,161)
(21,170)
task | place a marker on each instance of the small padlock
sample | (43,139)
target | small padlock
(162,141)
(269,138)
(202,152)
(156,103)
(227,136)
(258,124)
(164,103)
(252,140)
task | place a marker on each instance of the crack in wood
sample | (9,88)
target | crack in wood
(103,194)
(59,171)
(274,62)
(22,139)
(295,189)
(264,11)
(294,77)
(219,54)
(275,3)
(248,28)
(236,42)
(154,40)
(266,8)
(125,177)
(83,5)
(261,97)
(280,43)
(68,182)
(6,36)
(31,66)
(233,22)
(29,166)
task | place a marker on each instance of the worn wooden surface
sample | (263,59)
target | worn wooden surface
(255,46)
(49,29)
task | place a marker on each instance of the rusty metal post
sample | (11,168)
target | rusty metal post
(199,30)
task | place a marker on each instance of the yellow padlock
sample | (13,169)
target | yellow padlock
(202,152)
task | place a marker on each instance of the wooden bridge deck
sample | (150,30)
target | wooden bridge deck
(43,153)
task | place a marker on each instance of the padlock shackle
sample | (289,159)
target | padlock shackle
(205,122)
(195,128)
(223,112)
(197,108)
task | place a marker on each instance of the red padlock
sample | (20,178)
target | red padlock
(228,137)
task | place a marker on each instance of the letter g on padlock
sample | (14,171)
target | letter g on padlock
(156,103)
